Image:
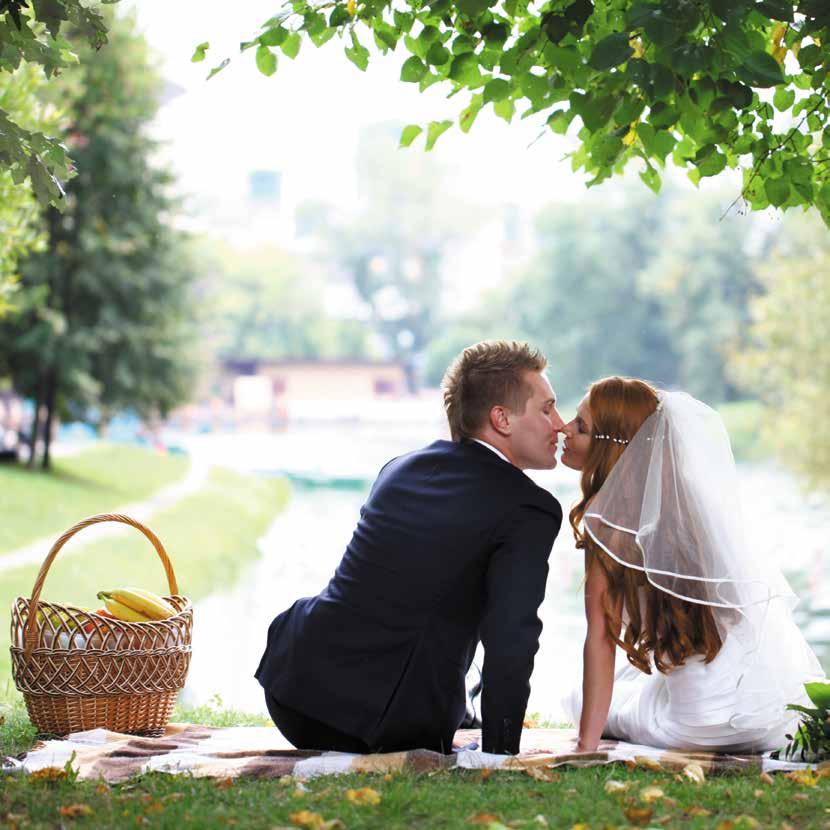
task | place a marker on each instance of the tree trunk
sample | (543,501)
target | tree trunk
(35,428)
(51,394)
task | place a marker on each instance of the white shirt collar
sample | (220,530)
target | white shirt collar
(493,449)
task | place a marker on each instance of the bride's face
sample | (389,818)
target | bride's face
(578,437)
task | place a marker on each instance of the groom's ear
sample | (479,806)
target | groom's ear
(500,420)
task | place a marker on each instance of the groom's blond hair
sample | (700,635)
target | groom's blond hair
(484,375)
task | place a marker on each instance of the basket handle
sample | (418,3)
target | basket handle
(29,629)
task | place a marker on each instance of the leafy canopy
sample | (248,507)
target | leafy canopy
(30,34)
(712,84)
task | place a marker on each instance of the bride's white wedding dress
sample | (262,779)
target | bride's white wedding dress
(701,706)
(669,509)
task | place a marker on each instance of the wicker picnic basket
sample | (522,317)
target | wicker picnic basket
(78,670)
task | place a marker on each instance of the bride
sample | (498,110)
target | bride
(712,653)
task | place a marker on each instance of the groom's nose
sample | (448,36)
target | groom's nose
(557,422)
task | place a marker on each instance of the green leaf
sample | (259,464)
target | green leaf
(560,120)
(291,45)
(712,164)
(776,9)
(473,8)
(594,111)
(760,69)
(339,15)
(273,36)
(464,69)
(652,178)
(468,115)
(437,54)
(217,69)
(200,52)
(266,60)
(818,692)
(809,57)
(409,134)
(413,70)
(357,53)
(777,190)
(611,51)
(435,130)
(505,109)
(496,90)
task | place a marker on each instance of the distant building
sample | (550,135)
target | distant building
(288,389)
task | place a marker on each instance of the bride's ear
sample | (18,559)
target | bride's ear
(500,420)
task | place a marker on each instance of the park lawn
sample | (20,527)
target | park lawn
(97,480)
(445,799)
(210,537)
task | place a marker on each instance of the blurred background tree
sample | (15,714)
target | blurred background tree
(266,304)
(104,310)
(787,362)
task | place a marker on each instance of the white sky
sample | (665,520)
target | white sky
(305,119)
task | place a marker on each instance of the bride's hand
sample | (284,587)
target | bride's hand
(583,746)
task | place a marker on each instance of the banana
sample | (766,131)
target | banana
(149,605)
(121,611)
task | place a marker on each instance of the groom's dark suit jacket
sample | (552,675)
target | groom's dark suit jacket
(452,545)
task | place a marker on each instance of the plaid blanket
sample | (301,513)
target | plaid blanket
(262,752)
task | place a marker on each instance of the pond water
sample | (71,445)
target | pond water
(301,549)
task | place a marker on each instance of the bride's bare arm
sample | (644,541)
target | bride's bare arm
(598,660)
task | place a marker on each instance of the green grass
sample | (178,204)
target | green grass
(210,537)
(37,503)
(744,422)
(447,799)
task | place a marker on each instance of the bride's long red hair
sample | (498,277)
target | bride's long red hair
(663,626)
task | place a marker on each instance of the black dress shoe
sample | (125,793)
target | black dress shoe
(472,717)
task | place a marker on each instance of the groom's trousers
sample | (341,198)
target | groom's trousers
(306,733)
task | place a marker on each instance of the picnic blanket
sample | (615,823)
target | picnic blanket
(262,752)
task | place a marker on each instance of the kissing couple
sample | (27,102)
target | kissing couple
(452,547)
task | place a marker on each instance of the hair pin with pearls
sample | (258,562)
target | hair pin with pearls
(612,438)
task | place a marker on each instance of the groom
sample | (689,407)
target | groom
(452,545)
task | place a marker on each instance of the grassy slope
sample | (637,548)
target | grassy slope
(36,504)
(447,799)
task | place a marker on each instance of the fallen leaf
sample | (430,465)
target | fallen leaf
(786,826)
(485,774)
(613,787)
(223,783)
(387,777)
(804,777)
(172,796)
(483,818)
(639,815)
(694,772)
(747,821)
(541,821)
(48,774)
(648,763)
(758,793)
(579,827)
(801,797)
(76,810)
(725,825)
(767,778)
(102,789)
(698,811)
(669,802)
(662,819)
(305,818)
(365,795)
(631,763)
(541,774)
(530,722)
(649,795)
